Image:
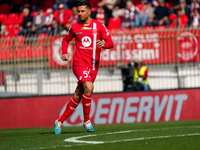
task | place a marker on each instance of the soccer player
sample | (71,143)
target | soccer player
(88,35)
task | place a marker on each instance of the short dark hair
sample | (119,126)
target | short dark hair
(84,3)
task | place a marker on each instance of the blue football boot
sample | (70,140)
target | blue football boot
(57,129)
(88,126)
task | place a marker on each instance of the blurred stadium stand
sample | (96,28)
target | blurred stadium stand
(36,69)
(32,66)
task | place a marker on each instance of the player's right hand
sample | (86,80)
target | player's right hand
(65,57)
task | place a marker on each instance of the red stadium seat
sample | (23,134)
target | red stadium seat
(120,31)
(136,29)
(3,18)
(18,53)
(36,2)
(21,18)
(20,41)
(148,28)
(28,52)
(114,23)
(38,52)
(10,53)
(135,2)
(6,41)
(171,27)
(48,4)
(47,51)
(6,53)
(42,38)
(114,30)
(126,30)
(12,29)
(4,8)
(17,27)
(160,27)
(34,13)
(15,53)
(13,18)
(3,54)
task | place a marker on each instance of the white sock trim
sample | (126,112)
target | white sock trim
(86,97)
(74,102)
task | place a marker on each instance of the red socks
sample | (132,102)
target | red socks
(73,103)
(71,106)
(86,100)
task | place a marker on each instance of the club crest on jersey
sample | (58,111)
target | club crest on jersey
(86,28)
(86,41)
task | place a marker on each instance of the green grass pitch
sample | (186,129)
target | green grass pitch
(183,135)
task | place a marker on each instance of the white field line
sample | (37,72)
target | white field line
(154,137)
(124,140)
(75,139)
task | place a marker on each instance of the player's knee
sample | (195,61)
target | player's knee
(88,88)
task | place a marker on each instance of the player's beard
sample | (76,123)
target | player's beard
(84,20)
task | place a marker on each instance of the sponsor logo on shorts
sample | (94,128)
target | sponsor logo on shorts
(86,41)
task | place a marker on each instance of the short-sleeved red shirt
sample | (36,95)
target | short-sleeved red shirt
(87,52)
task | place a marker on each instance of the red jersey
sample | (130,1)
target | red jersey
(87,52)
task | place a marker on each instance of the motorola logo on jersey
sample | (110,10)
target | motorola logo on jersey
(86,41)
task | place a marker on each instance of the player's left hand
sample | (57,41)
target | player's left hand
(65,57)
(100,44)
